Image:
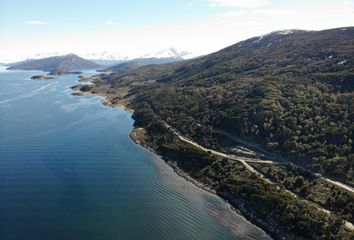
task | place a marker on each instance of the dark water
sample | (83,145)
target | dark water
(68,170)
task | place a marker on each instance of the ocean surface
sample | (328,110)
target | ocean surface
(69,171)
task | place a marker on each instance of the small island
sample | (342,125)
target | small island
(83,90)
(75,72)
(41,77)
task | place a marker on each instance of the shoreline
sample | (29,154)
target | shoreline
(174,166)
(105,102)
(138,141)
(238,209)
(177,170)
(257,223)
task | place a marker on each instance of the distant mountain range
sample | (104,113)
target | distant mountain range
(118,63)
(139,62)
(113,56)
(56,65)
(169,53)
(64,64)
(107,62)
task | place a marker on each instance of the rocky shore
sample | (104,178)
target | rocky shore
(138,135)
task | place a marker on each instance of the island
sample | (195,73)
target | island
(75,72)
(82,90)
(41,77)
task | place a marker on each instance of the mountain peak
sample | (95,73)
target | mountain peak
(71,55)
(167,53)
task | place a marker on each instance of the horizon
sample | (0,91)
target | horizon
(134,29)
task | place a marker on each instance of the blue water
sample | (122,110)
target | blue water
(68,170)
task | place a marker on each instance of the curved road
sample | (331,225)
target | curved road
(242,160)
(245,160)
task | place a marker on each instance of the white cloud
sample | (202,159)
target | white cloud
(108,22)
(35,22)
(239,3)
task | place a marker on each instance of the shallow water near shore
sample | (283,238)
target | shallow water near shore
(68,170)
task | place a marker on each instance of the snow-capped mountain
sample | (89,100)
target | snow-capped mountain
(105,55)
(167,53)
(108,57)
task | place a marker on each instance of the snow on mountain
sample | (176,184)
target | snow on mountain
(277,34)
(105,55)
(171,53)
(167,53)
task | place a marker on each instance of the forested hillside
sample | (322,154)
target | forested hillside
(290,91)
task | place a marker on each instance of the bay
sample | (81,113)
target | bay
(68,170)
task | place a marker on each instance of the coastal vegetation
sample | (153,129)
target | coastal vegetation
(279,212)
(294,97)
(289,93)
(311,187)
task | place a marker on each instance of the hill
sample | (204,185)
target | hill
(289,91)
(56,65)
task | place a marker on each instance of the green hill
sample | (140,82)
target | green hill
(289,91)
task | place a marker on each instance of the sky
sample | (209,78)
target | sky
(136,27)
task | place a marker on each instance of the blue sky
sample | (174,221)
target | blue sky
(134,27)
(72,14)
